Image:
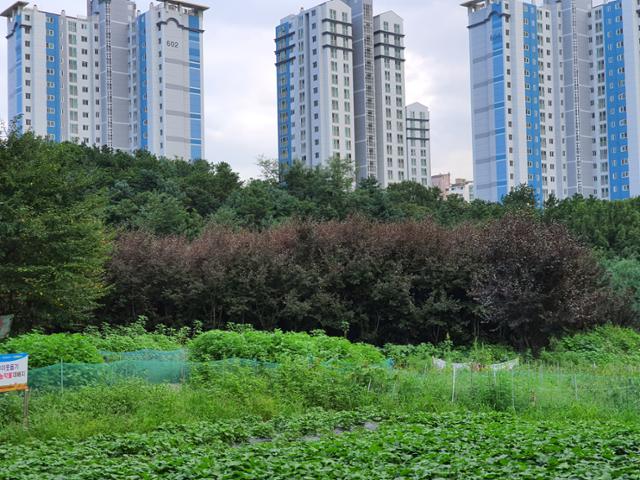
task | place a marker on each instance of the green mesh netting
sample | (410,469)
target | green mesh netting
(70,375)
(153,366)
(164,356)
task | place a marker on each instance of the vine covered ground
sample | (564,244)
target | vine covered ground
(349,445)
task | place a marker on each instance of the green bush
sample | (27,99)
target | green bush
(135,337)
(277,346)
(419,356)
(45,350)
(602,346)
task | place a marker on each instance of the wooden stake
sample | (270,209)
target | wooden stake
(25,409)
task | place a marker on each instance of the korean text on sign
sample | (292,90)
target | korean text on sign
(14,369)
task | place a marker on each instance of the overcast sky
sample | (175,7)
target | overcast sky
(240,76)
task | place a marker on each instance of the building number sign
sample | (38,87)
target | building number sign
(173,44)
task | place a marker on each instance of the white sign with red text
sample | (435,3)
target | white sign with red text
(14,370)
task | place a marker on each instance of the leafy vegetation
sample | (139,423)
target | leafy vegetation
(513,281)
(421,356)
(279,346)
(606,345)
(47,350)
(90,235)
(252,419)
(194,243)
(129,338)
(53,242)
(349,445)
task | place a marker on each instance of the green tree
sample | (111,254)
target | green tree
(164,214)
(415,194)
(207,186)
(53,243)
(259,205)
(370,200)
(270,168)
(520,198)
(625,278)
(326,188)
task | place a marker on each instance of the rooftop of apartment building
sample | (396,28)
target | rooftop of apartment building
(168,3)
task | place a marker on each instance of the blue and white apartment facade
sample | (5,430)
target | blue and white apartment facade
(555,97)
(341,93)
(117,77)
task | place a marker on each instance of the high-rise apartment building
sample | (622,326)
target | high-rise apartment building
(315,85)
(116,77)
(341,91)
(389,98)
(554,97)
(418,139)
(366,134)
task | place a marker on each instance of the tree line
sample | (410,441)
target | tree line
(70,214)
(512,280)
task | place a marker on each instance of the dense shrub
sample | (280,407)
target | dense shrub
(421,356)
(537,282)
(603,345)
(514,280)
(129,338)
(47,350)
(279,346)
